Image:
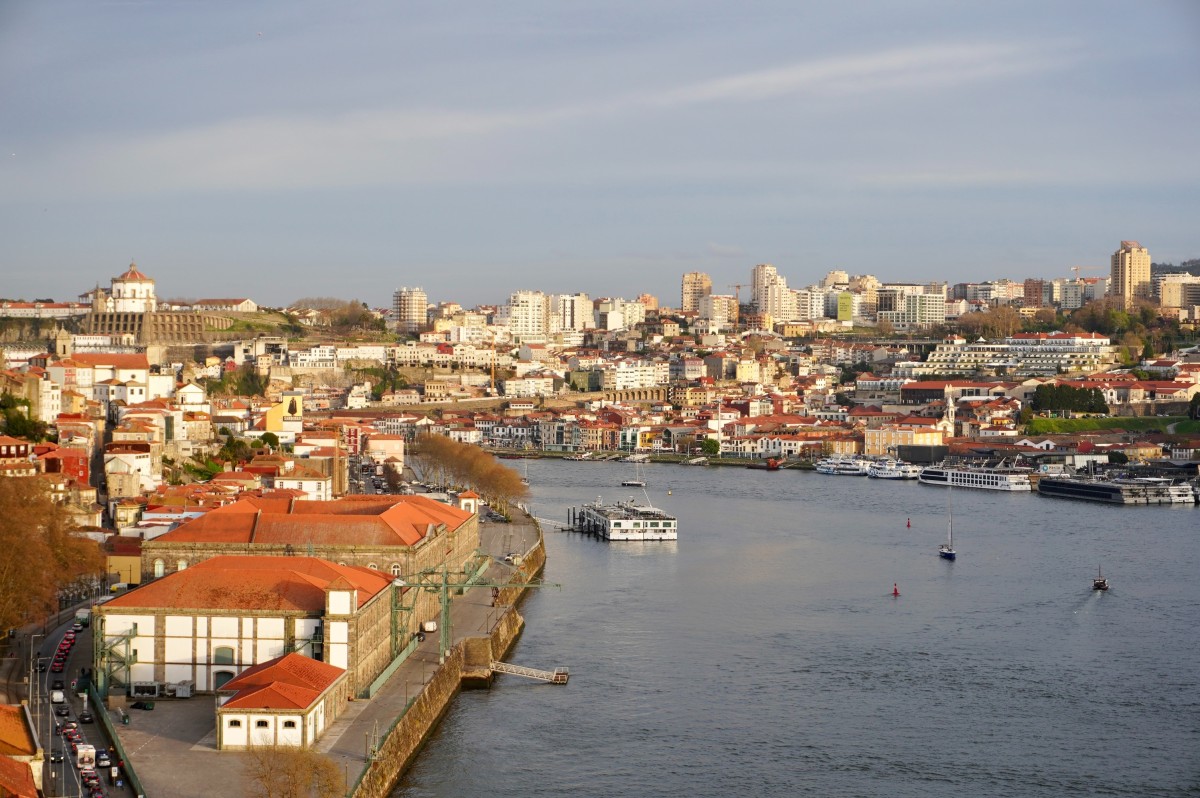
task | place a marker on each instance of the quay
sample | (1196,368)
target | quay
(374,741)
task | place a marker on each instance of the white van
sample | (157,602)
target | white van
(57,697)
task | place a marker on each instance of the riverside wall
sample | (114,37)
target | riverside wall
(464,662)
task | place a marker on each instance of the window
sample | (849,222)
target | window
(261,724)
(160,568)
(289,724)
(395,569)
(223,655)
(235,724)
(373,566)
(179,566)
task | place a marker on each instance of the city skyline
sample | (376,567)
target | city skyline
(295,150)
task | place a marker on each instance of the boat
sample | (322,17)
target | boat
(638,480)
(770,464)
(893,469)
(946,550)
(843,466)
(1116,490)
(525,473)
(1099,582)
(1000,476)
(623,521)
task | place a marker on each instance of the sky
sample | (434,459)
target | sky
(280,150)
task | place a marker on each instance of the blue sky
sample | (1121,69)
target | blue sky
(278,150)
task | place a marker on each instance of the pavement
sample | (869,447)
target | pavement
(173,747)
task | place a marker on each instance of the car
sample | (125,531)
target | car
(147,705)
(57,667)
(76,627)
(86,717)
(57,684)
(42,665)
(62,711)
(103,760)
(56,755)
(70,635)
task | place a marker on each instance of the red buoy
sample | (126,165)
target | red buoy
(895,590)
(910,523)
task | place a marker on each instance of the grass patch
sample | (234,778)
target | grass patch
(1066,426)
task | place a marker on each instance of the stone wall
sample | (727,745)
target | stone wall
(404,740)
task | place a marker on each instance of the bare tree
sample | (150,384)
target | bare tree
(277,771)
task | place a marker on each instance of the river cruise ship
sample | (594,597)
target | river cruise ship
(998,477)
(623,521)
(1120,490)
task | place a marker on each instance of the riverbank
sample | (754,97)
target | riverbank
(656,457)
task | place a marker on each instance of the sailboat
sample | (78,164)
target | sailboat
(638,480)
(525,475)
(1099,583)
(946,550)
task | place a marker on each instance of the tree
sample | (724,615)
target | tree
(277,771)
(1194,407)
(41,552)
(270,439)
(711,447)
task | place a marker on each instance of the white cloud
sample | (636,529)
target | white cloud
(389,147)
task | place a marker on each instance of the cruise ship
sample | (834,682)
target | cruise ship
(623,521)
(997,477)
(1119,490)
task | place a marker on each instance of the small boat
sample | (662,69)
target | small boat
(1099,582)
(946,550)
(638,480)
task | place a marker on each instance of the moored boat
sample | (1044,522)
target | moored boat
(1117,490)
(623,521)
(986,477)
(1099,582)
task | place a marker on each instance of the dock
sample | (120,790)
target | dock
(556,676)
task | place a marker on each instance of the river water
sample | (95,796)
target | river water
(763,652)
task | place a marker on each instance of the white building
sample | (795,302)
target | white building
(527,316)
(410,307)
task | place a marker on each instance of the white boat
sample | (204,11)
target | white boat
(997,477)
(843,466)
(623,521)
(893,469)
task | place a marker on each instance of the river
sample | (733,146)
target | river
(763,652)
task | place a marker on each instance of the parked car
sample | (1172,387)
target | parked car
(142,705)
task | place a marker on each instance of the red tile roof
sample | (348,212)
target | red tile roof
(252,583)
(292,681)
(382,521)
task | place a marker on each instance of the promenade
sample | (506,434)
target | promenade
(173,748)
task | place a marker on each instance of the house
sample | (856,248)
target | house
(287,701)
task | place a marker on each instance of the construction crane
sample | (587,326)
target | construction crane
(1078,269)
(737,290)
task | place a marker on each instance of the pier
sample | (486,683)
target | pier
(556,676)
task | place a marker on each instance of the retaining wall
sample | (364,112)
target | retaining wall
(403,741)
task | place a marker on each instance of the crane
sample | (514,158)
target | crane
(737,290)
(1078,269)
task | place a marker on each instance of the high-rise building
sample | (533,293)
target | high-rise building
(695,285)
(1130,274)
(575,310)
(528,317)
(410,307)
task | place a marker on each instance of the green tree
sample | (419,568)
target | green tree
(711,447)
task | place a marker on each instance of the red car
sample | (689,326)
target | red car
(57,667)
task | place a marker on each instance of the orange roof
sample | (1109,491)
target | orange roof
(369,520)
(115,360)
(292,681)
(253,583)
(15,738)
(16,779)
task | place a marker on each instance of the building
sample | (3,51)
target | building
(397,535)
(410,307)
(211,622)
(287,701)
(696,285)
(1130,274)
(527,315)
